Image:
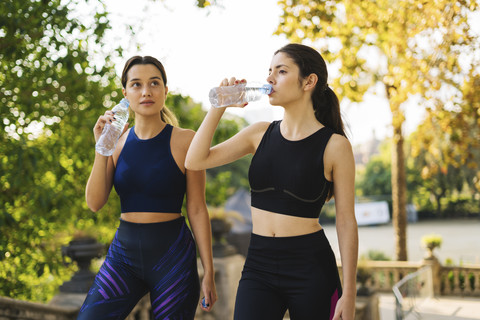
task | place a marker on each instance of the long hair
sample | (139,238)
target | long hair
(166,115)
(325,101)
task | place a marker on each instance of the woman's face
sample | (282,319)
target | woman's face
(284,76)
(145,89)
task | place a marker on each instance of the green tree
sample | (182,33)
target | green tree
(52,91)
(416,44)
(56,78)
(446,146)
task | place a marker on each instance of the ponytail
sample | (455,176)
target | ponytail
(327,109)
(167,116)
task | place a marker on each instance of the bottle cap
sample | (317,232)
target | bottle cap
(125,102)
(268,88)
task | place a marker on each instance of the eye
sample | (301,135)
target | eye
(155,83)
(282,71)
(135,84)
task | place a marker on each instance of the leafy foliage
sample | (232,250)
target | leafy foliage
(51,94)
(415,45)
(56,78)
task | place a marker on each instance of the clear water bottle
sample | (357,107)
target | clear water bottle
(238,94)
(112,131)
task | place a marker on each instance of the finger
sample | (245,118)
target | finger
(224,82)
(232,81)
(125,128)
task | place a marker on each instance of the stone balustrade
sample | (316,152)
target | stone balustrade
(460,281)
(447,280)
(384,274)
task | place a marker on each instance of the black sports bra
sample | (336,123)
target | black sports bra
(287,177)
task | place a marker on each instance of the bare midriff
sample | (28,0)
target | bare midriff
(271,224)
(149,217)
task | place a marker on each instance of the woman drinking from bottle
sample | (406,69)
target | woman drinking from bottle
(153,250)
(298,163)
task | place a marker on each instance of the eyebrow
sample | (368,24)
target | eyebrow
(137,79)
(278,66)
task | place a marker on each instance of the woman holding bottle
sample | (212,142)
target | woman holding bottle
(298,164)
(153,250)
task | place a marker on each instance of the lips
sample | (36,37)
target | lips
(148,102)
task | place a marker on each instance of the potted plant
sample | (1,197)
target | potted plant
(431,241)
(364,273)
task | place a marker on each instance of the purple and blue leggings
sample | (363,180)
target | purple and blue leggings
(159,258)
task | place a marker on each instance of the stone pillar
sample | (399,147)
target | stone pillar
(436,267)
(228,270)
(82,251)
(367,307)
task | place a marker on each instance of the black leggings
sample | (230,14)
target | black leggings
(159,258)
(295,273)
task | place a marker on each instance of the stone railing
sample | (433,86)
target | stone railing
(17,309)
(460,281)
(447,280)
(384,274)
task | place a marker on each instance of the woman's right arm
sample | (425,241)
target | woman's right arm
(201,155)
(100,182)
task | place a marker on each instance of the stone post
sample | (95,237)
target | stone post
(82,251)
(436,267)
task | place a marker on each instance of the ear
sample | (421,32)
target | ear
(124,92)
(166,91)
(310,82)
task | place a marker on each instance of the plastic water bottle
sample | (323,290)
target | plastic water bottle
(238,94)
(112,131)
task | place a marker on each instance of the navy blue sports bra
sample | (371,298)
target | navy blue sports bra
(147,178)
(287,177)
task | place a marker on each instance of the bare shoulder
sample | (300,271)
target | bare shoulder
(338,143)
(257,128)
(338,149)
(183,136)
(254,133)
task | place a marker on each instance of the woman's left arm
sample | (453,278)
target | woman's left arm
(200,223)
(343,175)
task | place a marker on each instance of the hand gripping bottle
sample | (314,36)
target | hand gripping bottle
(237,94)
(112,131)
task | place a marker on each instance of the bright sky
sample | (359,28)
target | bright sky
(200,47)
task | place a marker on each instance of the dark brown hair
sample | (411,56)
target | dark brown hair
(166,115)
(325,101)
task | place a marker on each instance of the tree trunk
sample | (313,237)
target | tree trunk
(399,192)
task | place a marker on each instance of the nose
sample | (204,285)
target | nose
(270,79)
(146,91)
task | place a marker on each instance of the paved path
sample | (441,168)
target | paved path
(444,308)
(461,243)
(461,240)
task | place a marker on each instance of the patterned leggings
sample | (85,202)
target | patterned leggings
(159,258)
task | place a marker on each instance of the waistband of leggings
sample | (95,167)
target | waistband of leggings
(155,226)
(288,242)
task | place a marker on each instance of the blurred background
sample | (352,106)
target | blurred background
(407,74)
